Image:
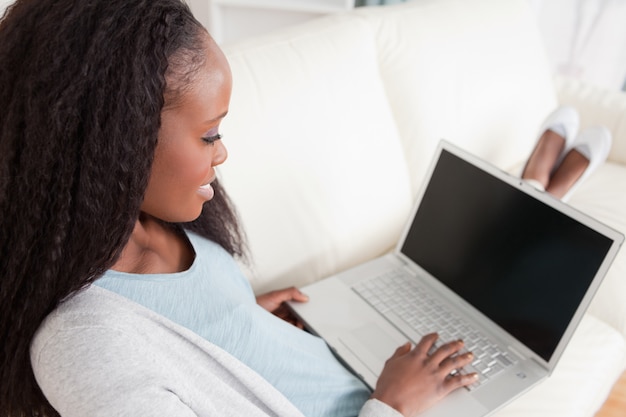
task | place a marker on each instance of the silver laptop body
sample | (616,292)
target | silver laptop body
(493,261)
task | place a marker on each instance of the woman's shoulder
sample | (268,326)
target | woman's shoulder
(90,306)
(89,340)
(98,323)
(94,311)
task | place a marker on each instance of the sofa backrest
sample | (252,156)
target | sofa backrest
(473,72)
(316,166)
(333,122)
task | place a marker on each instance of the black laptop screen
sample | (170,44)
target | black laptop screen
(516,259)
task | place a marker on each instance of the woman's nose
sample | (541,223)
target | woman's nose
(221,153)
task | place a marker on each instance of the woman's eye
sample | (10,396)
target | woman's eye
(210,139)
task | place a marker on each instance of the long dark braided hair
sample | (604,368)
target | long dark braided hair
(82,87)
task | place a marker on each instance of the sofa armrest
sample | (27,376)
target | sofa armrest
(597,106)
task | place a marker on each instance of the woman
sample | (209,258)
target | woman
(109,139)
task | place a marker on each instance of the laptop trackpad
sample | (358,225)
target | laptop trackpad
(372,345)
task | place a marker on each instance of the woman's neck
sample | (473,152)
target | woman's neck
(154,248)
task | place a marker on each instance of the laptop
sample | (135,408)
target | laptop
(485,258)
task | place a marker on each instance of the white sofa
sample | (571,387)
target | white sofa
(333,123)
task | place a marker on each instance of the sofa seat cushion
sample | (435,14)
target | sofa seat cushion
(583,378)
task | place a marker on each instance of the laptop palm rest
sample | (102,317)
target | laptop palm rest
(371,344)
(458,403)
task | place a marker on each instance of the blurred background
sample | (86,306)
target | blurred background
(585,39)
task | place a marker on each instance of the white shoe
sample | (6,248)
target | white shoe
(594,143)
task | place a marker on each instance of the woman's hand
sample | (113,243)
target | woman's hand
(413,380)
(274,303)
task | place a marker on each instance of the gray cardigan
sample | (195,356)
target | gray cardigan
(100,354)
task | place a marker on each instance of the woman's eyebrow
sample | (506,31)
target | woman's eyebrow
(221,116)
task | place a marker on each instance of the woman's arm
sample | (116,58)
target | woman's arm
(97,371)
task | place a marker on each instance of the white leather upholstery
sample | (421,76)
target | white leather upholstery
(333,123)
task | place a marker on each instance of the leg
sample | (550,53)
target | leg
(571,169)
(556,134)
(544,157)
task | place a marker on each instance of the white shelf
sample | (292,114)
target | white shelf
(231,20)
(311,6)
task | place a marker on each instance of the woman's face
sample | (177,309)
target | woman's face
(188,148)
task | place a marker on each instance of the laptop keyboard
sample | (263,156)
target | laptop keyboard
(403,301)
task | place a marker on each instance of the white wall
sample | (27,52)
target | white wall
(586,39)
(4,4)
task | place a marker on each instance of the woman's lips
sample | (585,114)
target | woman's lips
(206,191)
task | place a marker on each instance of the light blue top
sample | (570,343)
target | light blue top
(214,299)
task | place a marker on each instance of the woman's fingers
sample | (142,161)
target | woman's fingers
(459,380)
(425,344)
(401,350)
(446,350)
(447,358)
(455,362)
(273,299)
